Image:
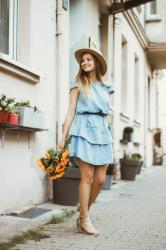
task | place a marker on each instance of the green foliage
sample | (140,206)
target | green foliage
(26,103)
(131,156)
(126,155)
(35,234)
(136,156)
(12,106)
(60,219)
(5,102)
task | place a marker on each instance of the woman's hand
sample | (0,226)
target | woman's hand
(61,144)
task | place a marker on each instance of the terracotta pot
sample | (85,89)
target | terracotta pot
(3,116)
(13,119)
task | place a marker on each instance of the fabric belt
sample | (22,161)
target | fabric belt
(92,113)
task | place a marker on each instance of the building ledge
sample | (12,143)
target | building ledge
(153,19)
(17,69)
(156,53)
(124,117)
(136,123)
(137,28)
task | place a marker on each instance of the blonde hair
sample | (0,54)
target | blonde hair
(83,77)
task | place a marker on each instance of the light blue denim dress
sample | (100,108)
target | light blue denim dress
(91,140)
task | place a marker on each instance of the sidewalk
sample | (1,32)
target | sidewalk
(131,216)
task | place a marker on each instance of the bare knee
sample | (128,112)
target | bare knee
(86,172)
(99,181)
(87,178)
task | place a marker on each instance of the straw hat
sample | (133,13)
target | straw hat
(97,54)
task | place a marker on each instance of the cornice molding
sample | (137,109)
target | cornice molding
(137,28)
(158,47)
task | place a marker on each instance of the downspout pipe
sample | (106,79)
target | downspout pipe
(113,50)
(59,48)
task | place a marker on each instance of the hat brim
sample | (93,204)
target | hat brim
(103,65)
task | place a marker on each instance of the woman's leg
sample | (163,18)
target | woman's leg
(83,222)
(98,180)
(86,171)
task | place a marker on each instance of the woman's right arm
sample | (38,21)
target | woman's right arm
(69,115)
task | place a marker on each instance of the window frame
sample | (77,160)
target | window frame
(149,15)
(124,77)
(136,87)
(12,34)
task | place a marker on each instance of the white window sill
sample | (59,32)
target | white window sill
(153,19)
(17,69)
(136,123)
(125,118)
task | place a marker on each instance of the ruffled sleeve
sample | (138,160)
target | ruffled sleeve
(110,89)
(73,85)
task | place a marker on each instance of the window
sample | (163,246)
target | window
(153,7)
(152,10)
(136,88)
(149,103)
(8,27)
(124,76)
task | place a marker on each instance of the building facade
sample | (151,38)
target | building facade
(37,44)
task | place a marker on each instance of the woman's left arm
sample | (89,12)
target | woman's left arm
(70,115)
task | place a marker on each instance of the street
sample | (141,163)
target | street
(131,216)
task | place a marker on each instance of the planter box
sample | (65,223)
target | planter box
(129,169)
(31,119)
(65,189)
(3,116)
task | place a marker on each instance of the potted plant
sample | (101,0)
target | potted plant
(65,189)
(127,134)
(13,116)
(65,175)
(138,157)
(129,167)
(30,116)
(4,106)
(111,169)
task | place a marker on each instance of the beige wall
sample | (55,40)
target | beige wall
(21,182)
(133,47)
(156,29)
(162,109)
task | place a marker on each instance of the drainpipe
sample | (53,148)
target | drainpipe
(113,80)
(59,49)
(113,50)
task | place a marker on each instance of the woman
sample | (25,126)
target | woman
(91,142)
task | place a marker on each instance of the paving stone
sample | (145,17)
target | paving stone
(129,217)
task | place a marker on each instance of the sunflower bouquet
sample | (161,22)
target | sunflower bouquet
(55,162)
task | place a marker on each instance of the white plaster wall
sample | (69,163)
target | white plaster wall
(156,30)
(84,21)
(21,182)
(122,28)
(162,110)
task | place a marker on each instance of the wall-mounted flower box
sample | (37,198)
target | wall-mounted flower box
(30,118)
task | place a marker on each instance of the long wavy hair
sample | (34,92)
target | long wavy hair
(83,77)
